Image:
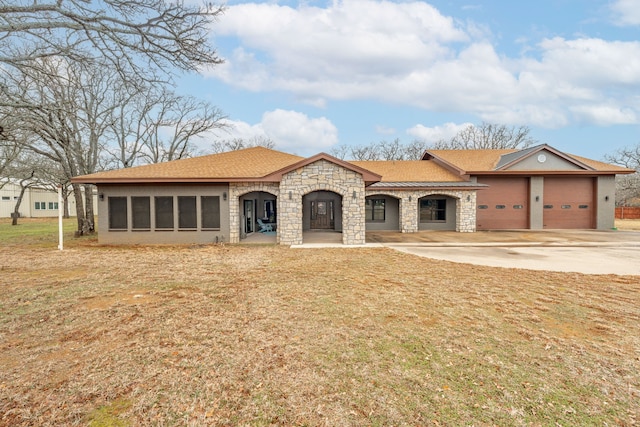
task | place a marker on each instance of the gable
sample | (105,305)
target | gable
(544,160)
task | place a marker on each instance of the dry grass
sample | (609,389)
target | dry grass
(238,335)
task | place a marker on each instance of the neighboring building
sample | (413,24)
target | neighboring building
(221,197)
(36,202)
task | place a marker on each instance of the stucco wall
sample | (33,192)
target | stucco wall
(536,202)
(392,214)
(552,162)
(153,236)
(605,202)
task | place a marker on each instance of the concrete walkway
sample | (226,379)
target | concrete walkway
(589,252)
(582,251)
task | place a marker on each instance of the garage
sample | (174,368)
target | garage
(568,202)
(504,205)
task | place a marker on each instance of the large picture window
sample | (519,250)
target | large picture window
(141,210)
(374,210)
(117,213)
(164,212)
(187,217)
(210,212)
(433,210)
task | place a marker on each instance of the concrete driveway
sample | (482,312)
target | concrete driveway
(590,252)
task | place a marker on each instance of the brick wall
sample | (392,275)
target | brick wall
(628,212)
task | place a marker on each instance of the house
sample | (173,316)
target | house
(36,202)
(221,197)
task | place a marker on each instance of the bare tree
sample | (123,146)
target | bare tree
(382,150)
(64,108)
(172,124)
(233,144)
(487,136)
(131,34)
(627,186)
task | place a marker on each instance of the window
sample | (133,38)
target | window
(6,198)
(374,209)
(53,205)
(270,210)
(164,212)
(41,205)
(583,207)
(483,207)
(117,213)
(565,207)
(141,212)
(518,206)
(500,206)
(187,212)
(210,211)
(548,206)
(433,210)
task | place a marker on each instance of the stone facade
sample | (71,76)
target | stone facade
(321,175)
(465,207)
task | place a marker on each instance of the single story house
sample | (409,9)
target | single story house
(226,197)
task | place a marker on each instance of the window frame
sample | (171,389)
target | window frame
(122,217)
(370,209)
(167,211)
(187,213)
(138,223)
(205,213)
(440,211)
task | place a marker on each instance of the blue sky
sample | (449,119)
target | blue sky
(311,75)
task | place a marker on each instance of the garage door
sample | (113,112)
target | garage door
(504,205)
(568,202)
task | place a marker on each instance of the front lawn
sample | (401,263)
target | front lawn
(240,335)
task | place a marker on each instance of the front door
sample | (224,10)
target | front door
(322,214)
(248,216)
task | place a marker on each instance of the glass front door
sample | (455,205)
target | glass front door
(248,216)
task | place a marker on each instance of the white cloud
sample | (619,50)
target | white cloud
(436,133)
(291,131)
(626,12)
(297,133)
(605,114)
(408,53)
(385,130)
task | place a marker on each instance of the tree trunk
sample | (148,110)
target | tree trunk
(65,201)
(88,199)
(16,210)
(77,194)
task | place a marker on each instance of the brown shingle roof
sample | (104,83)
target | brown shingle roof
(249,163)
(409,171)
(601,166)
(472,160)
(488,160)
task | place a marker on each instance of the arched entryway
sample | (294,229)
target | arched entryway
(322,217)
(382,213)
(437,212)
(258,216)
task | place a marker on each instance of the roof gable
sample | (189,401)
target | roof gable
(540,157)
(368,176)
(473,162)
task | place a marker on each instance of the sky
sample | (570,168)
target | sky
(312,75)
